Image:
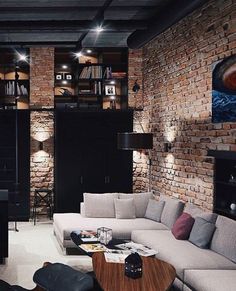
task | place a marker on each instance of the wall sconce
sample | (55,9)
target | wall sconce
(167,147)
(136,87)
(40,146)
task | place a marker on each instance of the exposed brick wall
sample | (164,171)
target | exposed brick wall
(42,76)
(42,122)
(177,80)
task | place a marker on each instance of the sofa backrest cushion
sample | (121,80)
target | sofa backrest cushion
(183,226)
(140,201)
(99,205)
(154,210)
(125,208)
(172,210)
(201,233)
(195,211)
(224,238)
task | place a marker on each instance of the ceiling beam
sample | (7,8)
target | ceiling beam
(76,25)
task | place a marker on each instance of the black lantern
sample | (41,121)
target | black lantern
(133,266)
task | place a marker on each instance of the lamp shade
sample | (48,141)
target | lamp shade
(134,141)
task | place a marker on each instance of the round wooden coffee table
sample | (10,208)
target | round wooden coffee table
(157,275)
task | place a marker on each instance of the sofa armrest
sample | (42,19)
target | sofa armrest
(82,209)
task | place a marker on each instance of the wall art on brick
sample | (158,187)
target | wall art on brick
(224,90)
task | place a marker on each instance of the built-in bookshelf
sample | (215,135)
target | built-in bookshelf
(14,80)
(97,79)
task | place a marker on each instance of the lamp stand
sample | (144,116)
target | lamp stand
(149,171)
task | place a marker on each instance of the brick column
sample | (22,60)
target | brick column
(42,119)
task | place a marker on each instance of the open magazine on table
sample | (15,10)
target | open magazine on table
(138,248)
(116,256)
(92,248)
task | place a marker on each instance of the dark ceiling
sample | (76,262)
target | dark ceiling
(65,22)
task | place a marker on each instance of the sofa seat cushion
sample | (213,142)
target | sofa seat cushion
(65,223)
(211,280)
(181,254)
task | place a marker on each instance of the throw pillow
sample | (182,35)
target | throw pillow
(195,211)
(140,201)
(99,205)
(202,233)
(154,210)
(125,208)
(183,226)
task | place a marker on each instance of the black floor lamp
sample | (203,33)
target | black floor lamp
(137,141)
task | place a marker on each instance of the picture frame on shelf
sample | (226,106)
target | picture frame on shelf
(110,90)
(68,77)
(58,77)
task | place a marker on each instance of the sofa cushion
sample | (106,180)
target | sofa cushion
(125,208)
(172,210)
(211,280)
(99,205)
(180,253)
(224,238)
(201,233)
(65,223)
(154,209)
(182,227)
(140,201)
(195,211)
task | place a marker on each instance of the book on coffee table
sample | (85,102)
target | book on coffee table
(92,248)
(137,248)
(116,256)
(84,236)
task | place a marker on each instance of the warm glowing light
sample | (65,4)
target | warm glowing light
(64,67)
(89,51)
(112,82)
(64,82)
(113,97)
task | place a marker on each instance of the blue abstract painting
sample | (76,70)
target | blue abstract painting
(224,91)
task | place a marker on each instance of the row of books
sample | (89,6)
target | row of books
(94,72)
(10,89)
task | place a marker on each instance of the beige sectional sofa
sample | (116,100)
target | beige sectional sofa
(212,269)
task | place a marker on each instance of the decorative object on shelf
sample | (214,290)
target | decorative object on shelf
(136,86)
(58,76)
(233,206)
(232,178)
(110,90)
(68,76)
(133,266)
(104,235)
(65,92)
(167,147)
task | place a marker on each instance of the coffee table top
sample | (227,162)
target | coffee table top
(157,275)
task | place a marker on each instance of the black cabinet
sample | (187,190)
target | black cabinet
(15,130)
(87,158)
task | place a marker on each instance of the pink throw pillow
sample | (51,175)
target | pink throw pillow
(183,226)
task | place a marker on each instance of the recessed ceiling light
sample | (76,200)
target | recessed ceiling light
(89,51)
(22,57)
(64,67)
(99,29)
(78,54)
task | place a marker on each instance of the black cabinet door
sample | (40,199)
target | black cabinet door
(86,156)
(15,131)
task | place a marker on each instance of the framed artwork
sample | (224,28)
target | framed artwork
(68,77)
(58,76)
(224,90)
(110,90)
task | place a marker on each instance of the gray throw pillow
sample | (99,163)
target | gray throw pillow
(201,233)
(195,211)
(154,210)
(125,208)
